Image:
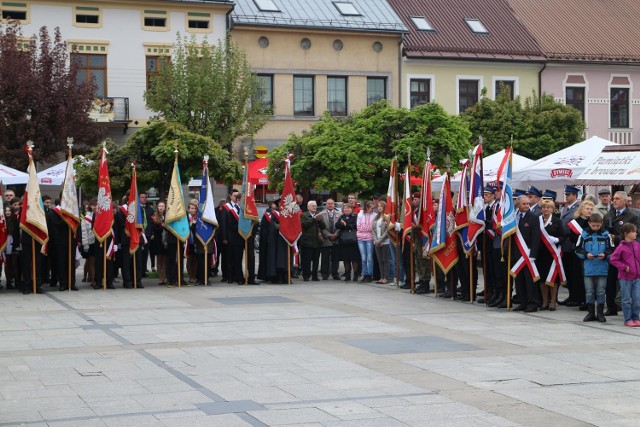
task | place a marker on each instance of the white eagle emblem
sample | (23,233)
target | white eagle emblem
(289,207)
(131,212)
(104,200)
(451,223)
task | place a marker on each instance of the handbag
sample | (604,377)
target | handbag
(348,237)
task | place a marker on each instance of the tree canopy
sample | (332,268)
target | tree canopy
(40,99)
(210,90)
(152,148)
(353,154)
(539,126)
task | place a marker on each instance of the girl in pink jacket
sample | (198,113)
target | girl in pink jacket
(626,258)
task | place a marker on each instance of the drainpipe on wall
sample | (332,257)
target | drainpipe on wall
(400,43)
(540,83)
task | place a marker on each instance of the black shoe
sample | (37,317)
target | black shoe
(252,282)
(306,279)
(26,292)
(600,315)
(325,277)
(583,307)
(591,315)
(62,288)
(611,312)
(74,288)
(564,302)
(460,298)
(127,286)
(405,286)
(140,286)
(530,309)
(111,286)
(446,295)
(422,289)
(521,307)
(497,301)
(481,293)
(480,300)
(336,277)
(229,281)
(96,286)
(40,291)
(502,304)
(315,279)
(572,304)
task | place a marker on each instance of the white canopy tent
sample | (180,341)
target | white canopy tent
(561,168)
(53,175)
(490,165)
(10,176)
(615,165)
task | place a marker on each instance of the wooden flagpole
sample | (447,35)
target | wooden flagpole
(289,263)
(484,269)
(509,277)
(206,266)
(471,275)
(435,277)
(135,275)
(33,264)
(179,263)
(69,273)
(104,264)
(246,262)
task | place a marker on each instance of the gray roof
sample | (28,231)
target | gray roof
(375,15)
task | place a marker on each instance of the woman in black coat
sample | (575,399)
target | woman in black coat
(553,228)
(348,251)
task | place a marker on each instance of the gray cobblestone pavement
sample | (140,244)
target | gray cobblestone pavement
(309,354)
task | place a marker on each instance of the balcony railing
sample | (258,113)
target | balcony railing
(621,136)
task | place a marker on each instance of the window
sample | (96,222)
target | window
(90,67)
(266,5)
(265,90)
(420,92)
(619,107)
(421,23)
(198,22)
(303,96)
(376,89)
(15,11)
(476,26)
(502,85)
(155,20)
(337,96)
(575,98)
(154,65)
(86,16)
(346,8)
(467,94)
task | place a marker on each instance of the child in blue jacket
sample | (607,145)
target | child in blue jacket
(594,246)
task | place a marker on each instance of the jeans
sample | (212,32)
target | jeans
(630,299)
(366,255)
(392,265)
(595,286)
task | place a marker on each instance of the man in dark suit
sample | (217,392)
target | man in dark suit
(617,216)
(147,224)
(534,200)
(529,227)
(571,262)
(231,239)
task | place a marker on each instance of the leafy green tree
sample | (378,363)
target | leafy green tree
(210,90)
(153,149)
(539,126)
(354,153)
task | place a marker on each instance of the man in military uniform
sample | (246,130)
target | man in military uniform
(534,200)
(571,262)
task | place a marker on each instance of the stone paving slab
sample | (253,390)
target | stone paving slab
(310,354)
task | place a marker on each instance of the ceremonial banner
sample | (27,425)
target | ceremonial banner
(443,248)
(133,224)
(207,223)
(32,218)
(290,228)
(391,209)
(103,220)
(462,208)
(407,214)
(476,197)
(176,221)
(69,209)
(507,212)
(248,212)
(427,217)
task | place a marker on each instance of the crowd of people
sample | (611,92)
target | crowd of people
(588,245)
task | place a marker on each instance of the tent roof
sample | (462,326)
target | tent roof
(615,165)
(11,176)
(562,167)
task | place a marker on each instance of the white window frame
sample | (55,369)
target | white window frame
(192,15)
(585,85)
(90,11)
(611,86)
(432,86)
(348,5)
(22,6)
(155,13)
(270,6)
(418,25)
(514,79)
(471,22)
(480,80)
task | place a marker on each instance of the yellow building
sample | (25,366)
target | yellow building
(454,50)
(314,56)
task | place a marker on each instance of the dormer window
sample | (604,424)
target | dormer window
(476,26)
(421,23)
(266,5)
(346,8)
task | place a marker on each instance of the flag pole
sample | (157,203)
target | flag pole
(471,254)
(289,263)
(178,260)
(33,264)
(246,261)
(206,266)
(435,277)
(509,277)
(484,237)
(135,275)
(69,273)
(244,198)
(104,264)
(411,255)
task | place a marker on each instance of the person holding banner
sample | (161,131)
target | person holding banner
(63,241)
(525,244)
(571,261)
(231,238)
(549,260)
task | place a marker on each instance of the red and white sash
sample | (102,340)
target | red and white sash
(575,227)
(232,210)
(557,268)
(524,260)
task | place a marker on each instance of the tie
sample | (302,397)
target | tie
(332,226)
(144,217)
(520,216)
(617,213)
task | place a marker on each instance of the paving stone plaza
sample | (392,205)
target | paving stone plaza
(309,354)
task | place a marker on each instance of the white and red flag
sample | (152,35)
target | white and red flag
(103,220)
(290,213)
(32,218)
